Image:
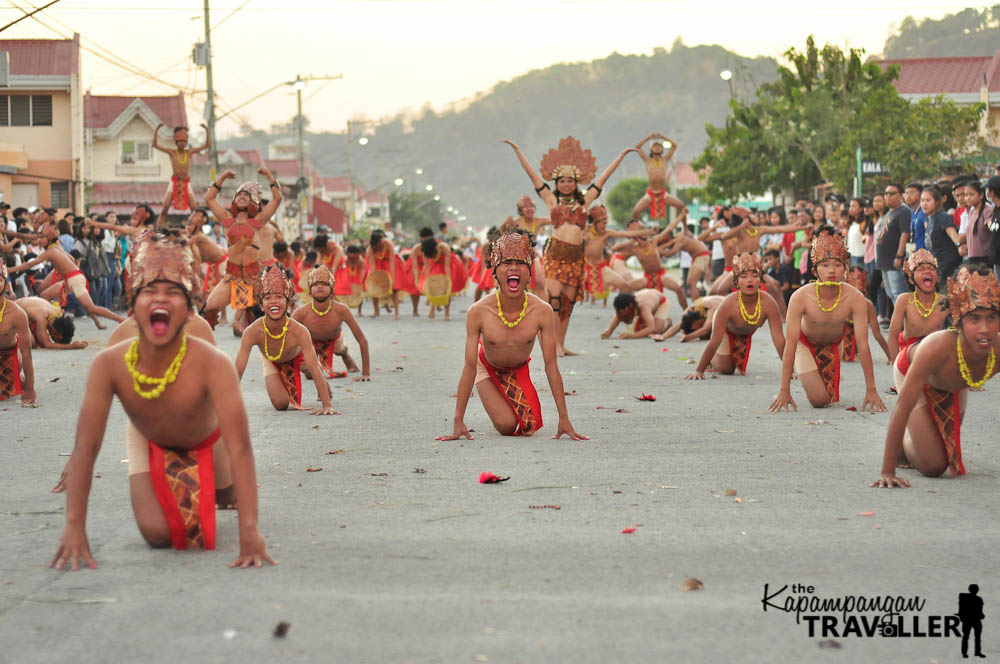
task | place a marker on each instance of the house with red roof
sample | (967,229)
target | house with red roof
(122,167)
(41,123)
(964,80)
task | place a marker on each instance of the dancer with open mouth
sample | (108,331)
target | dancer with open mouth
(162,378)
(921,312)
(500,334)
(285,345)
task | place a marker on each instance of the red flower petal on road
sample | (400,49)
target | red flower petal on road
(628,531)
(646,397)
(852,408)
(487,477)
(866,514)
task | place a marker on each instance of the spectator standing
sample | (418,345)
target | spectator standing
(890,249)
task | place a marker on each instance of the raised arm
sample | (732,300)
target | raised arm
(272,205)
(213,190)
(156,136)
(541,188)
(598,186)
(208,142)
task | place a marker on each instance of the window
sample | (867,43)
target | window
(25,110)
(59,194)
(137,152)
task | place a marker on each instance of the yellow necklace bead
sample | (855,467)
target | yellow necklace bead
(924,313)
(281,335)
(321,313)
(750,319)
(139,379)
(4,307)
(752,231)
(524,308)
(963,368)
(182,156)
(840,291)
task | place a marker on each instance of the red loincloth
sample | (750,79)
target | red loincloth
(324,353)
(291,378)
(184,483)
(242,284)
(64,291)
(516,387)
(944,408)
(655,280)
(828,362)
(10,373)
(212,274)
(657,203)
(594,277)
(739,349)
(179,196)
(850,348)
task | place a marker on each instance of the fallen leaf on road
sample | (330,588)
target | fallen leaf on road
(692,584)
(816,422)
(737,500)
(52,380)
(621,410)
(314,469)
(831,644)
(725,431)
(281,629)
(379,474)
(730,492)
(544,507)
(866,514)
(335,452)
(315,426)
(663,486)
(419,471)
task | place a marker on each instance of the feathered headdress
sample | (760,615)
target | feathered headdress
(320,275)
(827,246)
(569,160)
(747,262)
(515,246)
(159,257)
(969,290)
(916,259)
(273,280)
(252,189)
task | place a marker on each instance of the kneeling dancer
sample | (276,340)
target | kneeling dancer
(290,343)
(161,378)
(934,376)
(498,347)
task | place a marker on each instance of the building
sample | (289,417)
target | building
(964,80)
(123,170)
(41,123)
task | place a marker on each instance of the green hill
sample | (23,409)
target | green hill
(608,104)
(969,32)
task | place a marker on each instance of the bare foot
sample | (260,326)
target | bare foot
(567,351)
(447,316)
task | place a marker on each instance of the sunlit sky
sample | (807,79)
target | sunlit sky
(399,54)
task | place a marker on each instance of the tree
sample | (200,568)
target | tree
(623,198)
(413,211)
(803,129)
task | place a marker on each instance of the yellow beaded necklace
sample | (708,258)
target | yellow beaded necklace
(753,319)
(282,335)
(317,311)
(3,308)
(139,379)
(924,313)
(963,368)
(182,156)
(524,308)
(752,231)
(840,291)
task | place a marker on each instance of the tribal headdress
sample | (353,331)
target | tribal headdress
(159,257)
(515,246)
(916,259)
(569,160)
(522,201)
(320,275)
(748,262)
(828,246)
(274,280)
(252,189)
(969,290)
(858,278)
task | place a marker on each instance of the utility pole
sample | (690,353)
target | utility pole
(211,97)
(305,201)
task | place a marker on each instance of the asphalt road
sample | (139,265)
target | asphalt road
(395,553)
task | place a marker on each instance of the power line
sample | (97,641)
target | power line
(230,15)
(37,9)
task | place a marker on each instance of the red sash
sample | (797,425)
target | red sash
(657,203)
(324,353)
(828,362)
(739,348)
(655,280)
(291,378)
(516,387)
(10,373)
(180,193)
(850,349)
(184,484)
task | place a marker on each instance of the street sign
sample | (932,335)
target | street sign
(872,168)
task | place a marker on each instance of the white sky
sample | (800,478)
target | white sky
(398,54)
